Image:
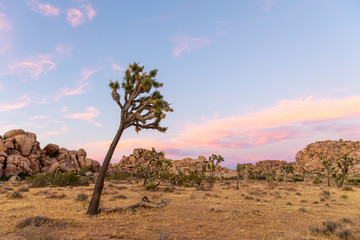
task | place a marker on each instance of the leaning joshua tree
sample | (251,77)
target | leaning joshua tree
(141,108)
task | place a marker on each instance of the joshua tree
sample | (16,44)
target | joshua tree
(239,169)
(162,167)
(327,165)
(342,169)
(152,158)
(140,108)
(214,161)
(288,168)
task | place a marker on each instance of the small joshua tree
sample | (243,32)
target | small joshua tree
(214,161)
(141,108)
(239,169)
(339,173)
(327,165)
(288,168)
(152,158)
(162,167)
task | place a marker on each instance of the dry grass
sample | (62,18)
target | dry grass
(232,214)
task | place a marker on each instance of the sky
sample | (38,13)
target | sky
(250,80)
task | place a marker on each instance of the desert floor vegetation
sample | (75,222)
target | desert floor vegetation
(258,210)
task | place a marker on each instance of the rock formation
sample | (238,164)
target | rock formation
(309,158)
(20,153)
(130,163)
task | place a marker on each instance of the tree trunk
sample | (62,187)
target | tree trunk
(286,178)
(328,177)
(237,182)
(93,208)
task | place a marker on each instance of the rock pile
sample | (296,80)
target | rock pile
(309,158)
(130,163)
(20,153)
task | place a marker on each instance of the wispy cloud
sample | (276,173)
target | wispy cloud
(269,4)
(80,89)
(277,123)
(5,28)
(34,67)
(51,133)
(186,43)
(88,116)
(117,67)
(64,50)
(80,15)
(9,106)
(86,74)
(47,10)
(38,117)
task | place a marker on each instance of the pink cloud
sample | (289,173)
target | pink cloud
(77,16)
(185,43)
(20,103)
(44,9)
(4,23)
(88,116)
(269,4)
(86,74)
(116,67)
(64,50)
(34,67)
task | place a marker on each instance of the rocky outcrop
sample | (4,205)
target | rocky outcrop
(138,157)
(20,153)
(309,159)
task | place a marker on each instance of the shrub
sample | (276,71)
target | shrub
(39,180)
(119,175)
(345,234)
(330,226)
(14,195)
(317,181)
(348,188)
(354,181)
(68,179)
(82,197)
(23,189)
(297,179)
(344,196)
(82,172)
(151,186)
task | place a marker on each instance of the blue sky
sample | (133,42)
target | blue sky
(250,80)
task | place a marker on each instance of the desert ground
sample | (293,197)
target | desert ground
(258,210)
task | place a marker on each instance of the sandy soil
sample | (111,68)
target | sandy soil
(259,210)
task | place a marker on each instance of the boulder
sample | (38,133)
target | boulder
(51,149)
(25,143)
(10,170)
(13,133)
(95,165)
(88,163)
(54,167)
(1,169)
(2,146)
(81,153)
(66,167)
(82,162)
(9,145)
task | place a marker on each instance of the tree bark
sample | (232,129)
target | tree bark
(93,208)
(237,182)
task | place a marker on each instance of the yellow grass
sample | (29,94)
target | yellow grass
(222,213)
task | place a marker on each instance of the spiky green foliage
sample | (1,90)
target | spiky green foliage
(142,108)
(288,168)
(214,161)
(339,173)
(153,157)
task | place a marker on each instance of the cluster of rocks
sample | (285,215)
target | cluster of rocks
(311,157)
(20,153)
(138,157)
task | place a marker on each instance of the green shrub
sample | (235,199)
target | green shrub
(297,179)
(280,179)
(15,195)
(81,197)
(354,181)
(348,188)
(119,176)
(151,186)
(317,181)
(82,172)
(344,196)
(58,179)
